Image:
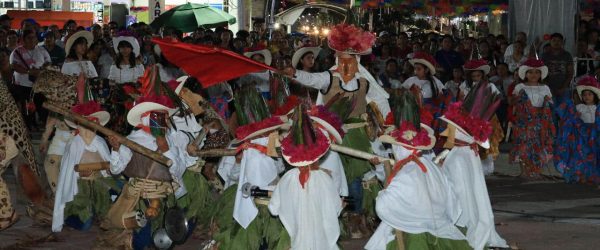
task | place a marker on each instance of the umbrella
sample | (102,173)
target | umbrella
(210,65)
(188,17)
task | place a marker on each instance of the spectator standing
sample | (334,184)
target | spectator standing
(27,60)
(448,58)
(560,66)
(57,54)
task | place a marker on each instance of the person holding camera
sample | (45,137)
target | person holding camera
(27,60)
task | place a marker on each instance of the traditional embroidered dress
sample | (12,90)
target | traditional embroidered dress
(534,128)
(577,151)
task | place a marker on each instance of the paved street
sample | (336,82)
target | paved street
(529,215)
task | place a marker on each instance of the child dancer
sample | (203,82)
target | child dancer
(534,128)
(577,150)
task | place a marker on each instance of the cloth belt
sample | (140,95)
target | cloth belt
(473,146)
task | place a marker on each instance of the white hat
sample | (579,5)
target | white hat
(588,83)
(533,64)
(131,40)
(467,137)
(425,59)
(89,38)
(134,116)
(389,138)
(302,51)
(264,52)
(473,65)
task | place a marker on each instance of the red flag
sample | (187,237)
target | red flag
(210,65)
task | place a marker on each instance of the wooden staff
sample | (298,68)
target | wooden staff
(358,153)
(334,147)
(68,114)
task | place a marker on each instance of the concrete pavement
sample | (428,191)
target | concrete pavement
(529,215)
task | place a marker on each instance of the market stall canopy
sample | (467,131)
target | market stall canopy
(291,15)
(188,17)
(47,18)
(210,65)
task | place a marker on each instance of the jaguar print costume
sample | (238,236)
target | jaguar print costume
(12,124)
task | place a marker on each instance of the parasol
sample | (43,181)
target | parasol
(188,17)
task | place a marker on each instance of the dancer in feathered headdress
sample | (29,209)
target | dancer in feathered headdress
(346,89)
(306,198)
(469,128)
(420,220)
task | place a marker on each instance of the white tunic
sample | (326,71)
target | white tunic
(259,170)
(309,214)
(126,73)
(536,94)
(333,163)
(74,68)
(463,169)
(416,202)
(424,85)
(322,80)
(67,179)
(588,112)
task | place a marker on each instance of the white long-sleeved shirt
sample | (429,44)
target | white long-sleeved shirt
(322,80)
(119,159)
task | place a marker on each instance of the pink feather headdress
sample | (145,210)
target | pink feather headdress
(350,39)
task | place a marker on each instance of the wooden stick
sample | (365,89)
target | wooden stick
(358,153)
(214,152)
(97,127)
(94,166)
(334,147)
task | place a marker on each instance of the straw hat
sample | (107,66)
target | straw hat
(149,103)
(410,137)
(302,51)
(533,64)
(131,40)
(89,38)
(425,59)
(588,83)
(305,144)
(473,65)
(264,52)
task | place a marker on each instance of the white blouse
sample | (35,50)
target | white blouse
(423,85)
(536,94)
(126,73)
(74,68)
(588,112)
